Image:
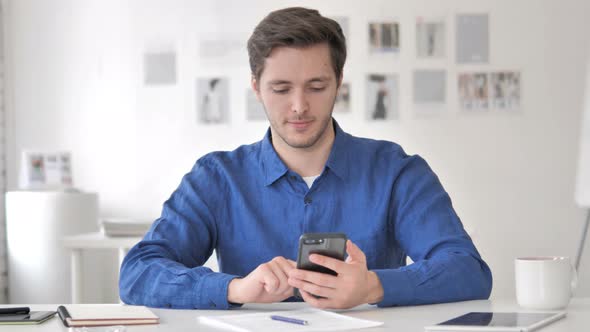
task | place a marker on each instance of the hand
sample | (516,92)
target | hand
(266,284)
(354,284)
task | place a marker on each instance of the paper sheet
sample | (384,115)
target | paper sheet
(318,320)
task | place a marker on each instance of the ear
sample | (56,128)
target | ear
(340,80)
(255,88)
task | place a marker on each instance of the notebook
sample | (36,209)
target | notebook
(33,317)
(105,314)
(316,321)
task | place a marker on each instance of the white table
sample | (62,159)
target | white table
(403,319)
(77,243)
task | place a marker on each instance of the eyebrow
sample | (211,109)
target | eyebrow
(278,82)
(320,79)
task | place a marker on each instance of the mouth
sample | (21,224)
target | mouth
(300,124)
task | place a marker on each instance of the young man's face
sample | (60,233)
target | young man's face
(298,89)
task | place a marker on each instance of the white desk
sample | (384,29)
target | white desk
(402,319)
(77,243)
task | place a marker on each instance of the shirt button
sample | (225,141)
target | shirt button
(307,201)
(293,177)
(168,305)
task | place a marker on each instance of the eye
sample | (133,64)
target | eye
(317,88)
(280,91)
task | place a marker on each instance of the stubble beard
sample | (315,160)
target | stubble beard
(312,140)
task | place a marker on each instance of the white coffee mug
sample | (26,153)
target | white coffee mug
(544,282)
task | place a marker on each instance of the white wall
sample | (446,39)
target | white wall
(76,74)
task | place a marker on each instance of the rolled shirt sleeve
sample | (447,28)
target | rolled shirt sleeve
(165,268)
(447,267)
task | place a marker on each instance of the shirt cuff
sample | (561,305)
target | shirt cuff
(398,288)
(214,291)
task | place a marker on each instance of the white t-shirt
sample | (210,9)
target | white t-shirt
(309,180)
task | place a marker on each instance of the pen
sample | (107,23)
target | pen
(289,320)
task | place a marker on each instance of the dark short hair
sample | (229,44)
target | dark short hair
(295,27)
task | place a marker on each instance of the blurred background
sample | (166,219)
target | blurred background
(119,85)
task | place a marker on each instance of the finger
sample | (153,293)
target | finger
(312,288)
(286,264)
(281,279)
(289,292)
(280,274)
(313,301)
(320,279)
(333,264)
(355,254)
(268,278)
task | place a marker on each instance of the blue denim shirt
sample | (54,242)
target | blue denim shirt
(249,207)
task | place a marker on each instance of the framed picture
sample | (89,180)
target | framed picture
(430,91)
(212,100)
(342,102)
(384,37)
(472,38)
(430,38)
(473,91)
(45,170)
(382,96)
(505,90)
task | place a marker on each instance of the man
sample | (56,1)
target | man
(306,175)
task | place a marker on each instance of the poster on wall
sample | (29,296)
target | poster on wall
(212,100)
(384,37)
(159,68)
(222,52)
(342,102)
(505,90)
(473,91)
(254,108)
(45,171)
(430,91)
(495,91)
(430,38)
(382,93)
(472,38)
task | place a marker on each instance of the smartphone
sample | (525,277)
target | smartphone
(326,244)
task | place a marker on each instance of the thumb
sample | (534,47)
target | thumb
(355,254)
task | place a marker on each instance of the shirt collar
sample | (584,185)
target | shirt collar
(272,165)
(338,160)
(274,168)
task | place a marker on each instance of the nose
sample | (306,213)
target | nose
(299,103)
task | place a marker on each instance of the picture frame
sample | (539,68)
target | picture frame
(45,170)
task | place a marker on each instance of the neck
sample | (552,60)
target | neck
(308,161)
